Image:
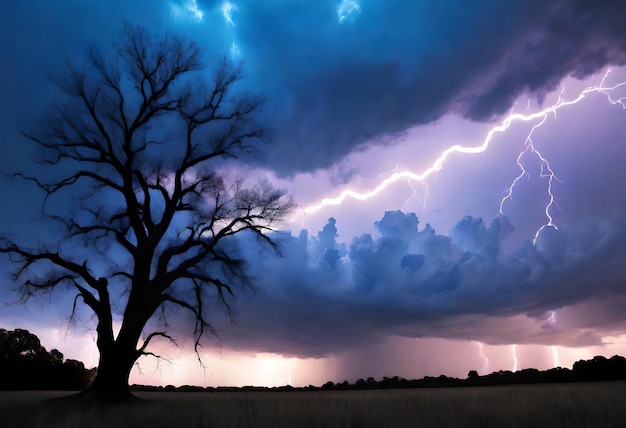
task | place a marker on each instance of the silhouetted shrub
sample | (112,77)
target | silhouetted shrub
(25,364)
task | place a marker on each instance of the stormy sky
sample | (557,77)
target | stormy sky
(443,274)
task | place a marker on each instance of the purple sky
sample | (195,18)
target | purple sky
(361,90)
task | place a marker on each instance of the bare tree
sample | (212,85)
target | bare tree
(133,148)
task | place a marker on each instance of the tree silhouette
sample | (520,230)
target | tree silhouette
(25,364)
(148,219)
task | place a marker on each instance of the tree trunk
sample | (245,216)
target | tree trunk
(111,383)
(117,356)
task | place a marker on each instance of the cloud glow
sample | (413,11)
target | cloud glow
(227,10)
(189,9)
(347,9)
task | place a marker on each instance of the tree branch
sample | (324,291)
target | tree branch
(146,342)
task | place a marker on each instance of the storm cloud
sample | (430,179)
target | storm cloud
(338,85)
(413,282)
(395,65)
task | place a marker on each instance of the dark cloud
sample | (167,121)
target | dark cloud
(337,86)
(417,283)
(567,38)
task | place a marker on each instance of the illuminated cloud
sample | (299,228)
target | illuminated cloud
(347,9)
(324,296)
(227,10)
(187,9)
(235,52)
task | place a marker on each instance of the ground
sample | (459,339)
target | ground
(547,405)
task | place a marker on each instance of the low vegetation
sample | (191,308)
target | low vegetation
(547,405)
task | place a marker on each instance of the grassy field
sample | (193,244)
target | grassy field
(561,405)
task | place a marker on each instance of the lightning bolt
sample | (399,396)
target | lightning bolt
(514,351)
(485,369)
(555,354)
(415,195)
(192,7)
(409,183)
(388,172)
(292,364)
(552,318)
(227,11)
(546,170)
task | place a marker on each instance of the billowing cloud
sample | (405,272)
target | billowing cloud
(323,296)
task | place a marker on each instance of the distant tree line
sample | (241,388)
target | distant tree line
(25,364)
(597,369)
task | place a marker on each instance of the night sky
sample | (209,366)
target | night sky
(439,274)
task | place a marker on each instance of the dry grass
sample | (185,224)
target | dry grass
(563,405)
